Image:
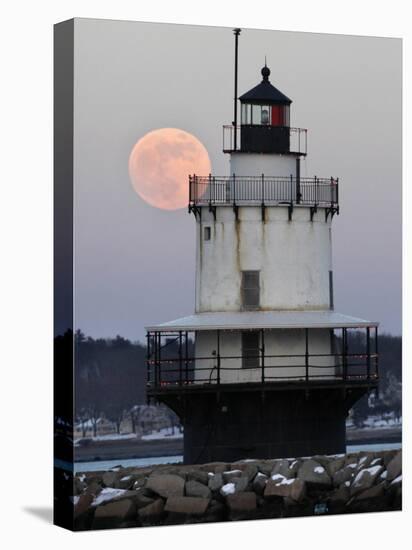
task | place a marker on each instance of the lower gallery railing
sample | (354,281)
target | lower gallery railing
(171,362)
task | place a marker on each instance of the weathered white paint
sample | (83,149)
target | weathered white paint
(277,342)
(256,164)
(293,257)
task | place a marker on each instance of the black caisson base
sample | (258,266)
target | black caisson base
(237,425)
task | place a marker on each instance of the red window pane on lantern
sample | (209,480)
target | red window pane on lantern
(277,115)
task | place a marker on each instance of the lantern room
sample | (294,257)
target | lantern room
(265,119)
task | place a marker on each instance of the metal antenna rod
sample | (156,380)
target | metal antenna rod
(236,32)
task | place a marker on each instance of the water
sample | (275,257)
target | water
(373,447)
(103,465)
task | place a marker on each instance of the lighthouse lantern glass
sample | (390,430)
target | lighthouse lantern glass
(256,114)
(246,116)
(264,115)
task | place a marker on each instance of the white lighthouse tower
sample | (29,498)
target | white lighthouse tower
(264,367)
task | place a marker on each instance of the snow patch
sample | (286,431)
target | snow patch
(164,433)
(397,480)
(287,481)
(106,494)
(228,489)
(112,437)
(319,470)
(278,477)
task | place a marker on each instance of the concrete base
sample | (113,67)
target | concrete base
(238,425)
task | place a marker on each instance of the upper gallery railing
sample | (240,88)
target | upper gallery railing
(263,190)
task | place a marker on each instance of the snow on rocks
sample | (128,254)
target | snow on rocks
(293,488)
(365,479)
(230,475)
(285,468)
(228,489)
(312,472)
(397,480)
(277,477)
(125,482)
(106,495)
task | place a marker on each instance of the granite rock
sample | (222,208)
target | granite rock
(166,485)
(196,489)
(314,473)
(194,506)
(394,467)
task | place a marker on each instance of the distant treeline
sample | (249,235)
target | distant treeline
(110,374)
(110,377)
(389,396)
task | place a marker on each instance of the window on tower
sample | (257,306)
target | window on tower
(250,290)
(250,349)
(206,234)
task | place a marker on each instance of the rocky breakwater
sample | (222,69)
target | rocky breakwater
(250,489)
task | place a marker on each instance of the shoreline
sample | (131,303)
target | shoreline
(136,449)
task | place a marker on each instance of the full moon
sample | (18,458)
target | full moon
(160,164)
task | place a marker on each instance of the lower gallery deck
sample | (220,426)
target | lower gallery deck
(259,349)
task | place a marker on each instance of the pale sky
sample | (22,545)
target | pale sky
(135,264)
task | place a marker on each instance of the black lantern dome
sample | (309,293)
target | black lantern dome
(265,118)
(265,92)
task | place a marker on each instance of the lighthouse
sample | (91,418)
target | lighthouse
(265,367)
